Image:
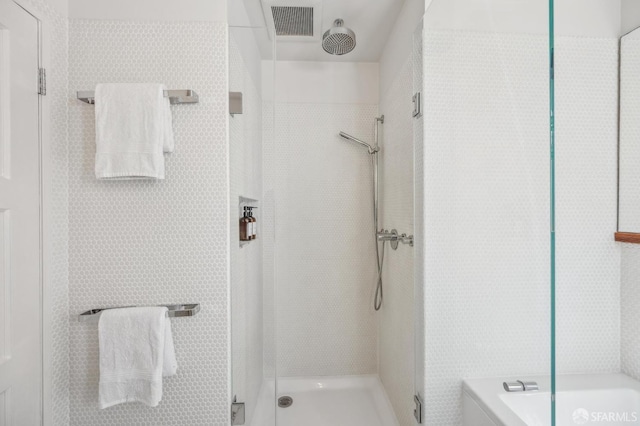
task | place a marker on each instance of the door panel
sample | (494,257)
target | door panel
(20,262)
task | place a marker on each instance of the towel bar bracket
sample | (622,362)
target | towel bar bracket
(174,311)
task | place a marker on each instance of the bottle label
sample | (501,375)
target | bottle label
(249,227)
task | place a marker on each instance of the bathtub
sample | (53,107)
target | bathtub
(591,399)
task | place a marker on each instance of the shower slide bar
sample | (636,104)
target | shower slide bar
(186,96)
(174,311)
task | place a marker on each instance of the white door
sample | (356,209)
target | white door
(20,262)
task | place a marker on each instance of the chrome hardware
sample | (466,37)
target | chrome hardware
(285,401)
(417,412)
(237,412)
(513,386)
(384,235)
(174,311)
(406,239)
(394,238)
(235,103)
(186,96)
(417,105)
(42,81)
(520,386)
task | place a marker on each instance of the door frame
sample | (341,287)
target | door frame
(46,169)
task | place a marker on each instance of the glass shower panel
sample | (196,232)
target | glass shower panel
(597,299)
(250,123)
(486,209)
(418,219)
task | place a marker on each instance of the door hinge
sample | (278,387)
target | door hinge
(417,105)
(417,412)
(42,81)
(237,412)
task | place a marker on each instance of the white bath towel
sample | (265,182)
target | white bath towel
(133,129)
(136,351)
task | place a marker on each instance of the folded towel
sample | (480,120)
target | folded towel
(136,351)
(133,129)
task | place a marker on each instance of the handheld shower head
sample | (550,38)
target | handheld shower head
(372,150)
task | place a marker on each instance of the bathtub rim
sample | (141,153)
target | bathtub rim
(486,392)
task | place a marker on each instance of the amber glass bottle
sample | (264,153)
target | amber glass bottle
(254,225)
(245,227)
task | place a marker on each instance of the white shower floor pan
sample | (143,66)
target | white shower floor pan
(326,401)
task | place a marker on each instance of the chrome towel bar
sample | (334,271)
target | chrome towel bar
(186,96)
(174,311)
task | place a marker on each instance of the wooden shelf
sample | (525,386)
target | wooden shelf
(628,237)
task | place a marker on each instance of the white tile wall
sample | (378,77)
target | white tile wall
(152,242)
(629,312)
(486,183)
(324,252)
(245,150)
(396,317)
(588,259)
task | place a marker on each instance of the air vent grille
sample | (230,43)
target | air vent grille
(293,21)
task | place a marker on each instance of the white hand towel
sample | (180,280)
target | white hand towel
(169,364)
(136,351)
(133,129)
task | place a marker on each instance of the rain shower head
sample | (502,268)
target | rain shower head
(346,136)
(338,40)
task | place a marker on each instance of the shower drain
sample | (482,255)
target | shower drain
(285,401)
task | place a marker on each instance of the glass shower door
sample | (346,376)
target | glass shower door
(486,213)
(250,123)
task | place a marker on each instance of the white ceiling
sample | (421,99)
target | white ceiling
(371,20)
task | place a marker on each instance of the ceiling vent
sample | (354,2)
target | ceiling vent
(293,21)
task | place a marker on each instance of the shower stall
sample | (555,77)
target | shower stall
(336,212)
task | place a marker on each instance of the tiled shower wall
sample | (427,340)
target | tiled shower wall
(486,165)
(324,251)
(396,317)
(145,242)
(245,174)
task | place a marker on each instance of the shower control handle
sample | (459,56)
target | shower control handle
(384,235)
(394,238)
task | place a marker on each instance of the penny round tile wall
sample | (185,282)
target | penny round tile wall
(146,242)
(486,180)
